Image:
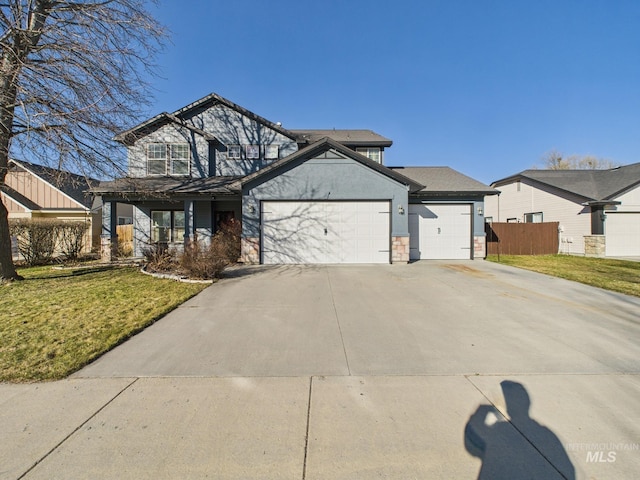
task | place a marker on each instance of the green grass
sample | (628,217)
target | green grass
(57,321)
(616,275)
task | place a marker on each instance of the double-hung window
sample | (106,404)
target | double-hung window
(168,159)
(179,153)
(371,152)
(167,226)
(157,159)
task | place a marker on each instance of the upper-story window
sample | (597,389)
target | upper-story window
(252,152)
(234,152)
(371,152)
(271,152)
(168,159)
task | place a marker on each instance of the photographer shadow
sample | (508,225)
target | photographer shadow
(518,447)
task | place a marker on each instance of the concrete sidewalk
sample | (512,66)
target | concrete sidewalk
(351,373)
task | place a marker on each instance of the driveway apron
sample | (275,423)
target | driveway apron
(439,370)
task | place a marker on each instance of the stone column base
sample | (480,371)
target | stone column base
(595,245)
(400,249)
(479,247)
(108,248)
(250,250)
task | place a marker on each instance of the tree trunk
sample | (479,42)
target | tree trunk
(7,269)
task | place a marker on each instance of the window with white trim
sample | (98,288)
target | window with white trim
(168,158)
(271,152)
(533,217)
(252,152)
(234,152)
(156,159)
(179,154)
(167,226)
(370,152)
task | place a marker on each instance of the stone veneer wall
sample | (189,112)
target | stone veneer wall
(107,248)
(250,250)
(399,249)
(479,246)
(594,245)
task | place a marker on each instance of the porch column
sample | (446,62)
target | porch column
(189,223)
(109,235)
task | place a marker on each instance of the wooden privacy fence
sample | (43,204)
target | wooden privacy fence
(125,240)
(522,238)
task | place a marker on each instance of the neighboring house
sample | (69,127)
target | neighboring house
(302,196)
(598,210)
(35,191)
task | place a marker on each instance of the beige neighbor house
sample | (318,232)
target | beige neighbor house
(598,210)
(35,191)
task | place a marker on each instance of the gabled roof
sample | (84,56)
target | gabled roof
(444,180)
(72,185)
(323,145)
(128,137)
(592,185)
(351,138)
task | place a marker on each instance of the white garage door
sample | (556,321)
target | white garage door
(325,232)
(623,234)
(440,232)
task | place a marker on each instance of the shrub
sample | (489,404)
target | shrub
(202,262)
(71,237)
(36,239)
(199,261)
(159,258)
(227,240)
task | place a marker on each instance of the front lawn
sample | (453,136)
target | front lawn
(57,321)
(616,275)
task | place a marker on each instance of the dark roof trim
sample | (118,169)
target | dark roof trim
(426,193)
(128,137)
(329,144)
(349,137)
(520,176)
(18,198)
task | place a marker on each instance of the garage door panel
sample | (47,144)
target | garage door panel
(622,234)
(325,232)
(440,231)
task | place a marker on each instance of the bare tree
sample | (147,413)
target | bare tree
(554,160)
(72,74)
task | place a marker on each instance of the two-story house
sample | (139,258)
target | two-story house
(303,196)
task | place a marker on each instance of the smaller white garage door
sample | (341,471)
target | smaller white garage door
(623,234)
(440,232)
(325,232)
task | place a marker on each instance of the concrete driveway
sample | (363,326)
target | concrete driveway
(428,370)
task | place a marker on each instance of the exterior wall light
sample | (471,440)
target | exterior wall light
(480,211)
(400,209)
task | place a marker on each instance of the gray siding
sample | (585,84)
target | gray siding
(229,127)
(329,177)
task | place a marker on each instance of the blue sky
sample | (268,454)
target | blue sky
(485,87)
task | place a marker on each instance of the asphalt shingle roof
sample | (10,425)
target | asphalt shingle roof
(159,186)
(594,185)
(444,180)
(346,137)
